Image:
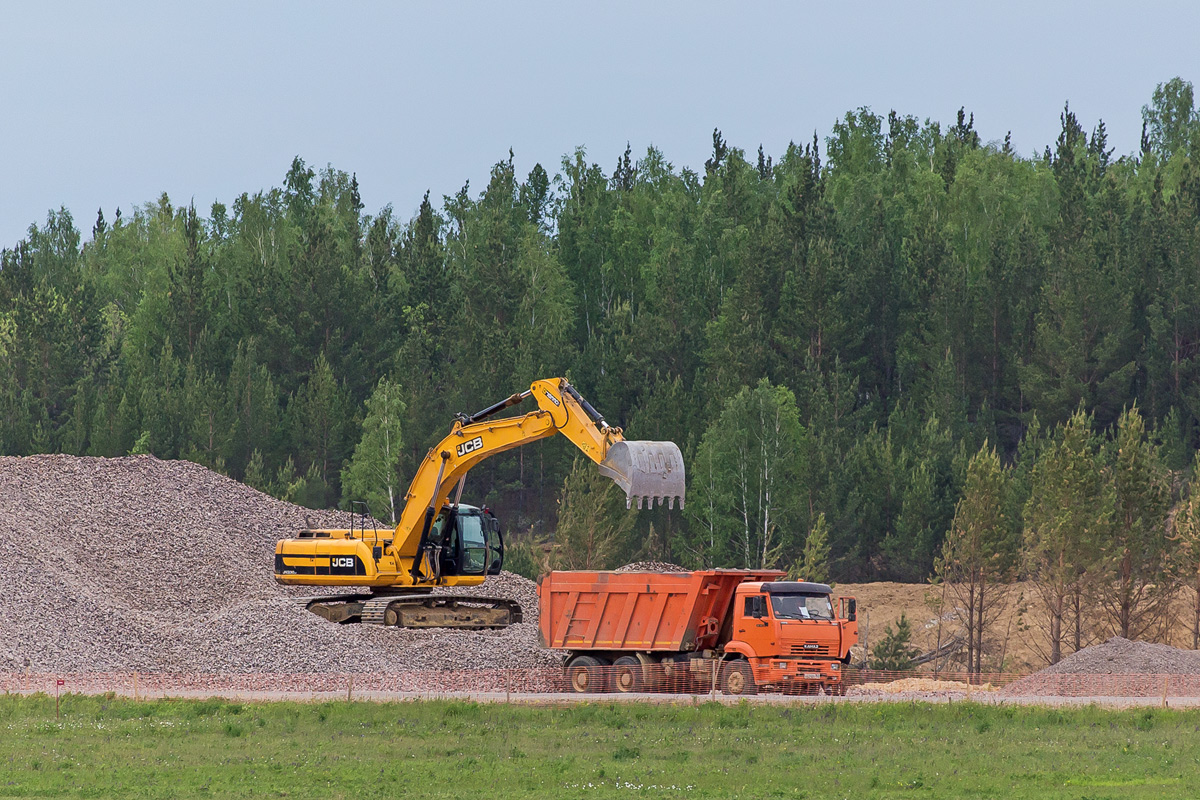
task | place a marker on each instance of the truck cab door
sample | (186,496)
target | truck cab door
(754,626)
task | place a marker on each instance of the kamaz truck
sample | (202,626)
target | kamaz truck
(746,630)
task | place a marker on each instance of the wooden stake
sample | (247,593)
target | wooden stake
(349,688)
(1164,695)
(135,686)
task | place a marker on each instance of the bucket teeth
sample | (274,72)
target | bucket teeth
(649,472)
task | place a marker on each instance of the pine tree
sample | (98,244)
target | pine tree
(1067,515)
(813,564)
(979,554)
(319,414)
(593,522)
(1135,552)
(895,652)
(1185,535)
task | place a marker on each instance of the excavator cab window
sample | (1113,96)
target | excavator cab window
(467,541)
(472,541)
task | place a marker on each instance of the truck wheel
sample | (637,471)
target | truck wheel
(585,674)
(627,675)
(737,678)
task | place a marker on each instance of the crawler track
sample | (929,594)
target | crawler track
(466,612)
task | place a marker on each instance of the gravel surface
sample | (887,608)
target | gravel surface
(917,685)
(140,564)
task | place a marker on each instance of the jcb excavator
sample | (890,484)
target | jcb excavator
(439,542)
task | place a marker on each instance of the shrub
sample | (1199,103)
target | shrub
(895,652)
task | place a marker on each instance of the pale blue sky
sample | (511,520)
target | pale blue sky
(107,105)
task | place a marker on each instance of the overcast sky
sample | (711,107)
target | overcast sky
(107,105)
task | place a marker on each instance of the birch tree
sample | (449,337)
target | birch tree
(750,498)
(374,470)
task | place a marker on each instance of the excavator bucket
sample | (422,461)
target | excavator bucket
(647,471)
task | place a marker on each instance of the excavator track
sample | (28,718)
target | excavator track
(466,612)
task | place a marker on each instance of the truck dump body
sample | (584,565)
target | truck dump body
(644,611)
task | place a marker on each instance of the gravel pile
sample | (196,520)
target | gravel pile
(1116,657)
(140,564)
(651,566)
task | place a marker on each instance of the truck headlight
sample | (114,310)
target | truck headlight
(835,666)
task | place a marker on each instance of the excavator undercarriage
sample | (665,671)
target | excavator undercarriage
(419,609)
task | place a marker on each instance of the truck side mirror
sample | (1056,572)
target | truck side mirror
(849,609)
(760,607)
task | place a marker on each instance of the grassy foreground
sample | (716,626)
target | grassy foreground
(177,749)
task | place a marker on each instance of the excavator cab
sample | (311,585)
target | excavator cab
(466,540)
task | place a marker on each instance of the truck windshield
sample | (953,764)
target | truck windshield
(474,543)
(801,606)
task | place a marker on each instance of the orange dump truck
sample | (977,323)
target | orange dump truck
(746,629)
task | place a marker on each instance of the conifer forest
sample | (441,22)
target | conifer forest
(893,351)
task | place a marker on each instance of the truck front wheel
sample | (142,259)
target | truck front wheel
(585,674)
(738,679)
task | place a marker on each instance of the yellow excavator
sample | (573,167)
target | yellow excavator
(439,542)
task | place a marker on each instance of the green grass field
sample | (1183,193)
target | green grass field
(177,749)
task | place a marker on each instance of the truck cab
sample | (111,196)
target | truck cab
(788,632)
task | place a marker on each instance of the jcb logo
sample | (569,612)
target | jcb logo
(471,446)
(342,562)
(551,398)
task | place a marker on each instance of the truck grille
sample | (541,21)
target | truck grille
(810,649)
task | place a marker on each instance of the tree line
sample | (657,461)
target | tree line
(836,336)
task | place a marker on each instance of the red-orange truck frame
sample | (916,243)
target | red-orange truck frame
(637,631)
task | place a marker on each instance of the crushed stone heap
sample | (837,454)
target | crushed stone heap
(1117,656)
(140,564)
